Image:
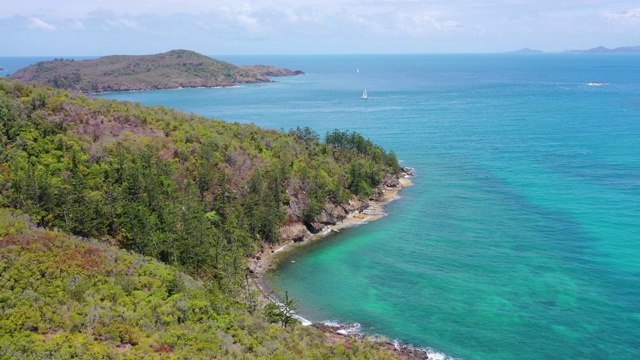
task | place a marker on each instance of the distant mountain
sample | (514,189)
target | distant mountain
(526,51)
(604,50)
(170,70)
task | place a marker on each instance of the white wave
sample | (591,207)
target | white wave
(431,353)
(280,249)
(331,323)
(435,355)
(302,320)
(344,329)
(356,329)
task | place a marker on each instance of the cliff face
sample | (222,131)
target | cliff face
(173,69)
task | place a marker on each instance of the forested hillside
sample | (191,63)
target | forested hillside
(63,298)
(198,194)
(170,70)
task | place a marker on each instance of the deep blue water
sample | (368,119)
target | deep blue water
(521,236)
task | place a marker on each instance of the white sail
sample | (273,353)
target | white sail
(364,94)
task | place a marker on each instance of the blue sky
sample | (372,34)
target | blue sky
(224,27)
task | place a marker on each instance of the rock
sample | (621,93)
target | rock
(297,206)
(377,195)
(314,227)
(332,214)
(355,205)
(391,181)
(295,232)
(407,171)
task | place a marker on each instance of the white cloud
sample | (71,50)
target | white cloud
(248,22)
(423,23)
(37,23)
(242,15)
(76,24)
(123,23)
(259,26)
(631,16)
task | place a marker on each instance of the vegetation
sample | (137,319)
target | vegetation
(197,194)
(193,192)
(62,297)
(173,69)
(282,313)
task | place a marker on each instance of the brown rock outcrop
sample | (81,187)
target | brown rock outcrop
(293,232)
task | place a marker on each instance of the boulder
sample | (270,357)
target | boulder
(391,181)
(314,227)
(295,232)
(407,171)
(332,214)
(355,205)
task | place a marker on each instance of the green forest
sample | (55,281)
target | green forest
(126,229)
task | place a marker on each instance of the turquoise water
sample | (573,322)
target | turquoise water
(521,236)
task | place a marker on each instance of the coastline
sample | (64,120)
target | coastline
(270,256)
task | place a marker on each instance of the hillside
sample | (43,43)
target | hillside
(197,194)
(170,70)
(62,297)
(184,189)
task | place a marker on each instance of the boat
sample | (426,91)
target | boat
(364,94)
(597,83)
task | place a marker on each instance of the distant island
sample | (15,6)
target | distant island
(604,50)
(526,51)
(170,70)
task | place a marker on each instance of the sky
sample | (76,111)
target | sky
(270,27)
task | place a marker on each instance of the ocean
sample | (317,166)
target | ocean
(520,238)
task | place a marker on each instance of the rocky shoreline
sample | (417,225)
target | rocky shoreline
(406,352)
(334,219)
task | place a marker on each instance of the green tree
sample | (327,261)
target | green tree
(282,313)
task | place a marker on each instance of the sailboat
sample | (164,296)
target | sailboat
(364,94)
